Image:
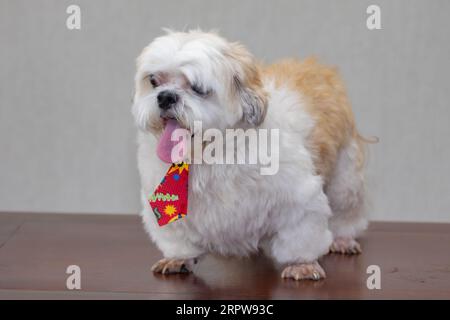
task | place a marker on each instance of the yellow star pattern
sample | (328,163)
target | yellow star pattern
(170,210)
(181,166)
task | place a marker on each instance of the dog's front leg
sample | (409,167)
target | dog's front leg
(173,265)
(303,238)
(180,253)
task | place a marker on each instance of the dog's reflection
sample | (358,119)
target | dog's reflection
(218,277)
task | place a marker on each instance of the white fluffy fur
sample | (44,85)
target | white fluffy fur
(233,209)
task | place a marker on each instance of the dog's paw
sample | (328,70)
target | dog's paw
(345,246)
(311,271)
(171,266)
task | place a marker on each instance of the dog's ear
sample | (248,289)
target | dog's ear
(248,86)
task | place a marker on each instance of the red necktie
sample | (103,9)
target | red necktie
(170,199)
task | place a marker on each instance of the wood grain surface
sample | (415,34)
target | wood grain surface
(115,256)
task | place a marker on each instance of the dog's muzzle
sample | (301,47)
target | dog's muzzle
(167,99)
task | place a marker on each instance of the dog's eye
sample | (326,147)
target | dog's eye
(199,90)
(153,80)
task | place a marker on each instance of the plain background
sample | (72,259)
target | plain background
(67,139)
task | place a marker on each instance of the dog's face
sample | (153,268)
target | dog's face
(197,76)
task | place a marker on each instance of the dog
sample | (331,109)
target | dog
(314,204)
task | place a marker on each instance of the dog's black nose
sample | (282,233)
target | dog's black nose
(167,99)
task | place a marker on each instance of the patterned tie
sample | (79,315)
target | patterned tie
(170,199)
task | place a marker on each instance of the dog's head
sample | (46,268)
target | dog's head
(197,76)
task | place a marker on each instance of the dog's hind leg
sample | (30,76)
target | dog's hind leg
(345,192)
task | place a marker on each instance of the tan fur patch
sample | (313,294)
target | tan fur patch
(248,79)
(326,102)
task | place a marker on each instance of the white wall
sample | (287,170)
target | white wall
(66,134)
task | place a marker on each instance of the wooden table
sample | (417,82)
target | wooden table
(115,256)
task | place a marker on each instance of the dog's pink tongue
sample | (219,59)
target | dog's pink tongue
(165,144)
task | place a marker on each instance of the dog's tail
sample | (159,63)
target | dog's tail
(363,148)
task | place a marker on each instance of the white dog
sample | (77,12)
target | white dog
(311,206)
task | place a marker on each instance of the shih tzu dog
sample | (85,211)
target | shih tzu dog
(311,206)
